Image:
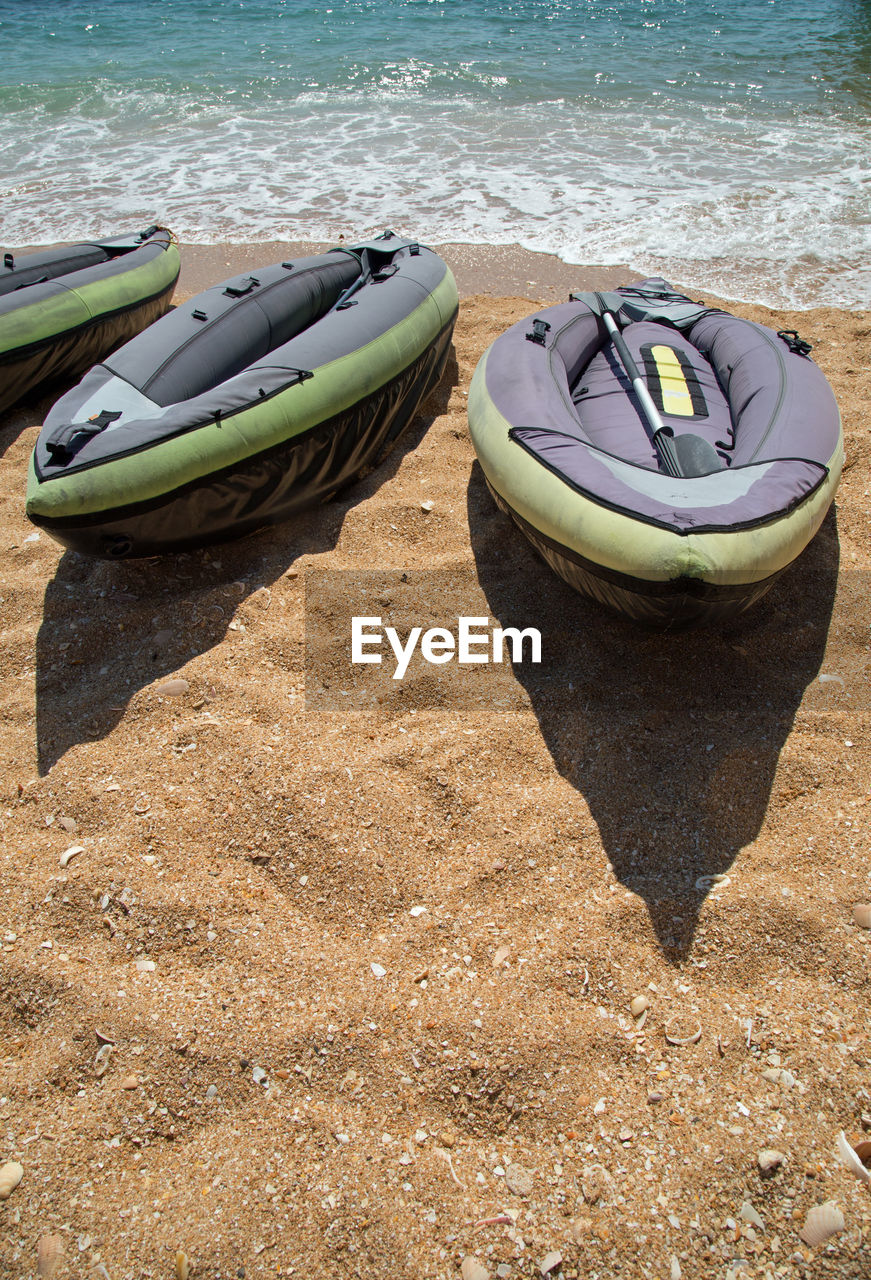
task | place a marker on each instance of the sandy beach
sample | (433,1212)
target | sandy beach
(524,972)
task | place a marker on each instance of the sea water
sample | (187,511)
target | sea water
(725,143)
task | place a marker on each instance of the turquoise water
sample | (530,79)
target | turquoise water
(724,142)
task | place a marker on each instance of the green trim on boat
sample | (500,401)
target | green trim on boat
(73,308)
(168,465)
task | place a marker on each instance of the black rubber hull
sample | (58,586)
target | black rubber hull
(676,605)
(271,486)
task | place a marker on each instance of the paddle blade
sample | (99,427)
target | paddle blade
(695,456)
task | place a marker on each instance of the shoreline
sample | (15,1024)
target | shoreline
(479,269)
(494,270)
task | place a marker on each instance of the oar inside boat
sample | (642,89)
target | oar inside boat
(681,456)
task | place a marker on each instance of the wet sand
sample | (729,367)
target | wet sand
(334,989)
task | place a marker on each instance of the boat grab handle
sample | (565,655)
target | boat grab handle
(66,442)
(239,290)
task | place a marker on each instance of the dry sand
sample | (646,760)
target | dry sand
(339,988)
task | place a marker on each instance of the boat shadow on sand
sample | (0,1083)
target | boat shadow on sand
(113,628)
(672,740)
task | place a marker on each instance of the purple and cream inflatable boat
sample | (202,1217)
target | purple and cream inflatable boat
(667,458)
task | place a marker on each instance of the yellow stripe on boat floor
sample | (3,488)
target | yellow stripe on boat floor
(676,397)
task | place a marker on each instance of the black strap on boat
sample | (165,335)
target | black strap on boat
(148,232)
(343,301)
(301,375)
(8,261)
(796,344)
(539,329)
(69,440)
(239,290)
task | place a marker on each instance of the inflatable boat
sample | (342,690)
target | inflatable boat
(62,309)
(256,399)
(667,458)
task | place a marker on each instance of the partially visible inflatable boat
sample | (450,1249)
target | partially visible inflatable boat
(256,399)
(62,309)
(685,523)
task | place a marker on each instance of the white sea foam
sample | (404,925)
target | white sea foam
(752,204)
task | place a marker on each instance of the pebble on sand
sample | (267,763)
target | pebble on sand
(518,1180)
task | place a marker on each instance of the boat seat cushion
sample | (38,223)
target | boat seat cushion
(681,382)
(204,343)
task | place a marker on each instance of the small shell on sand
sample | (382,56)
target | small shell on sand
(770,1159)
(862,914)
(854,1157)
(472,1269)
(68,854)
(172,688)
(182,1265)
(637,1005)
(679,1031)
(11,1174)
(822,1221)
(749,1214)
(49,1252)
(862,1147)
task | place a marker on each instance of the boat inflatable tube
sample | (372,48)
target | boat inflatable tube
(62,309)
(569,453)
(254,400)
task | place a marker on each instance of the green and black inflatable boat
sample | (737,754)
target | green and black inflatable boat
(255,400)
(62,309)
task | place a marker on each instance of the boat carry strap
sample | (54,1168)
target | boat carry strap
(343,301)
(66,442)
(539,329)
(794,342)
